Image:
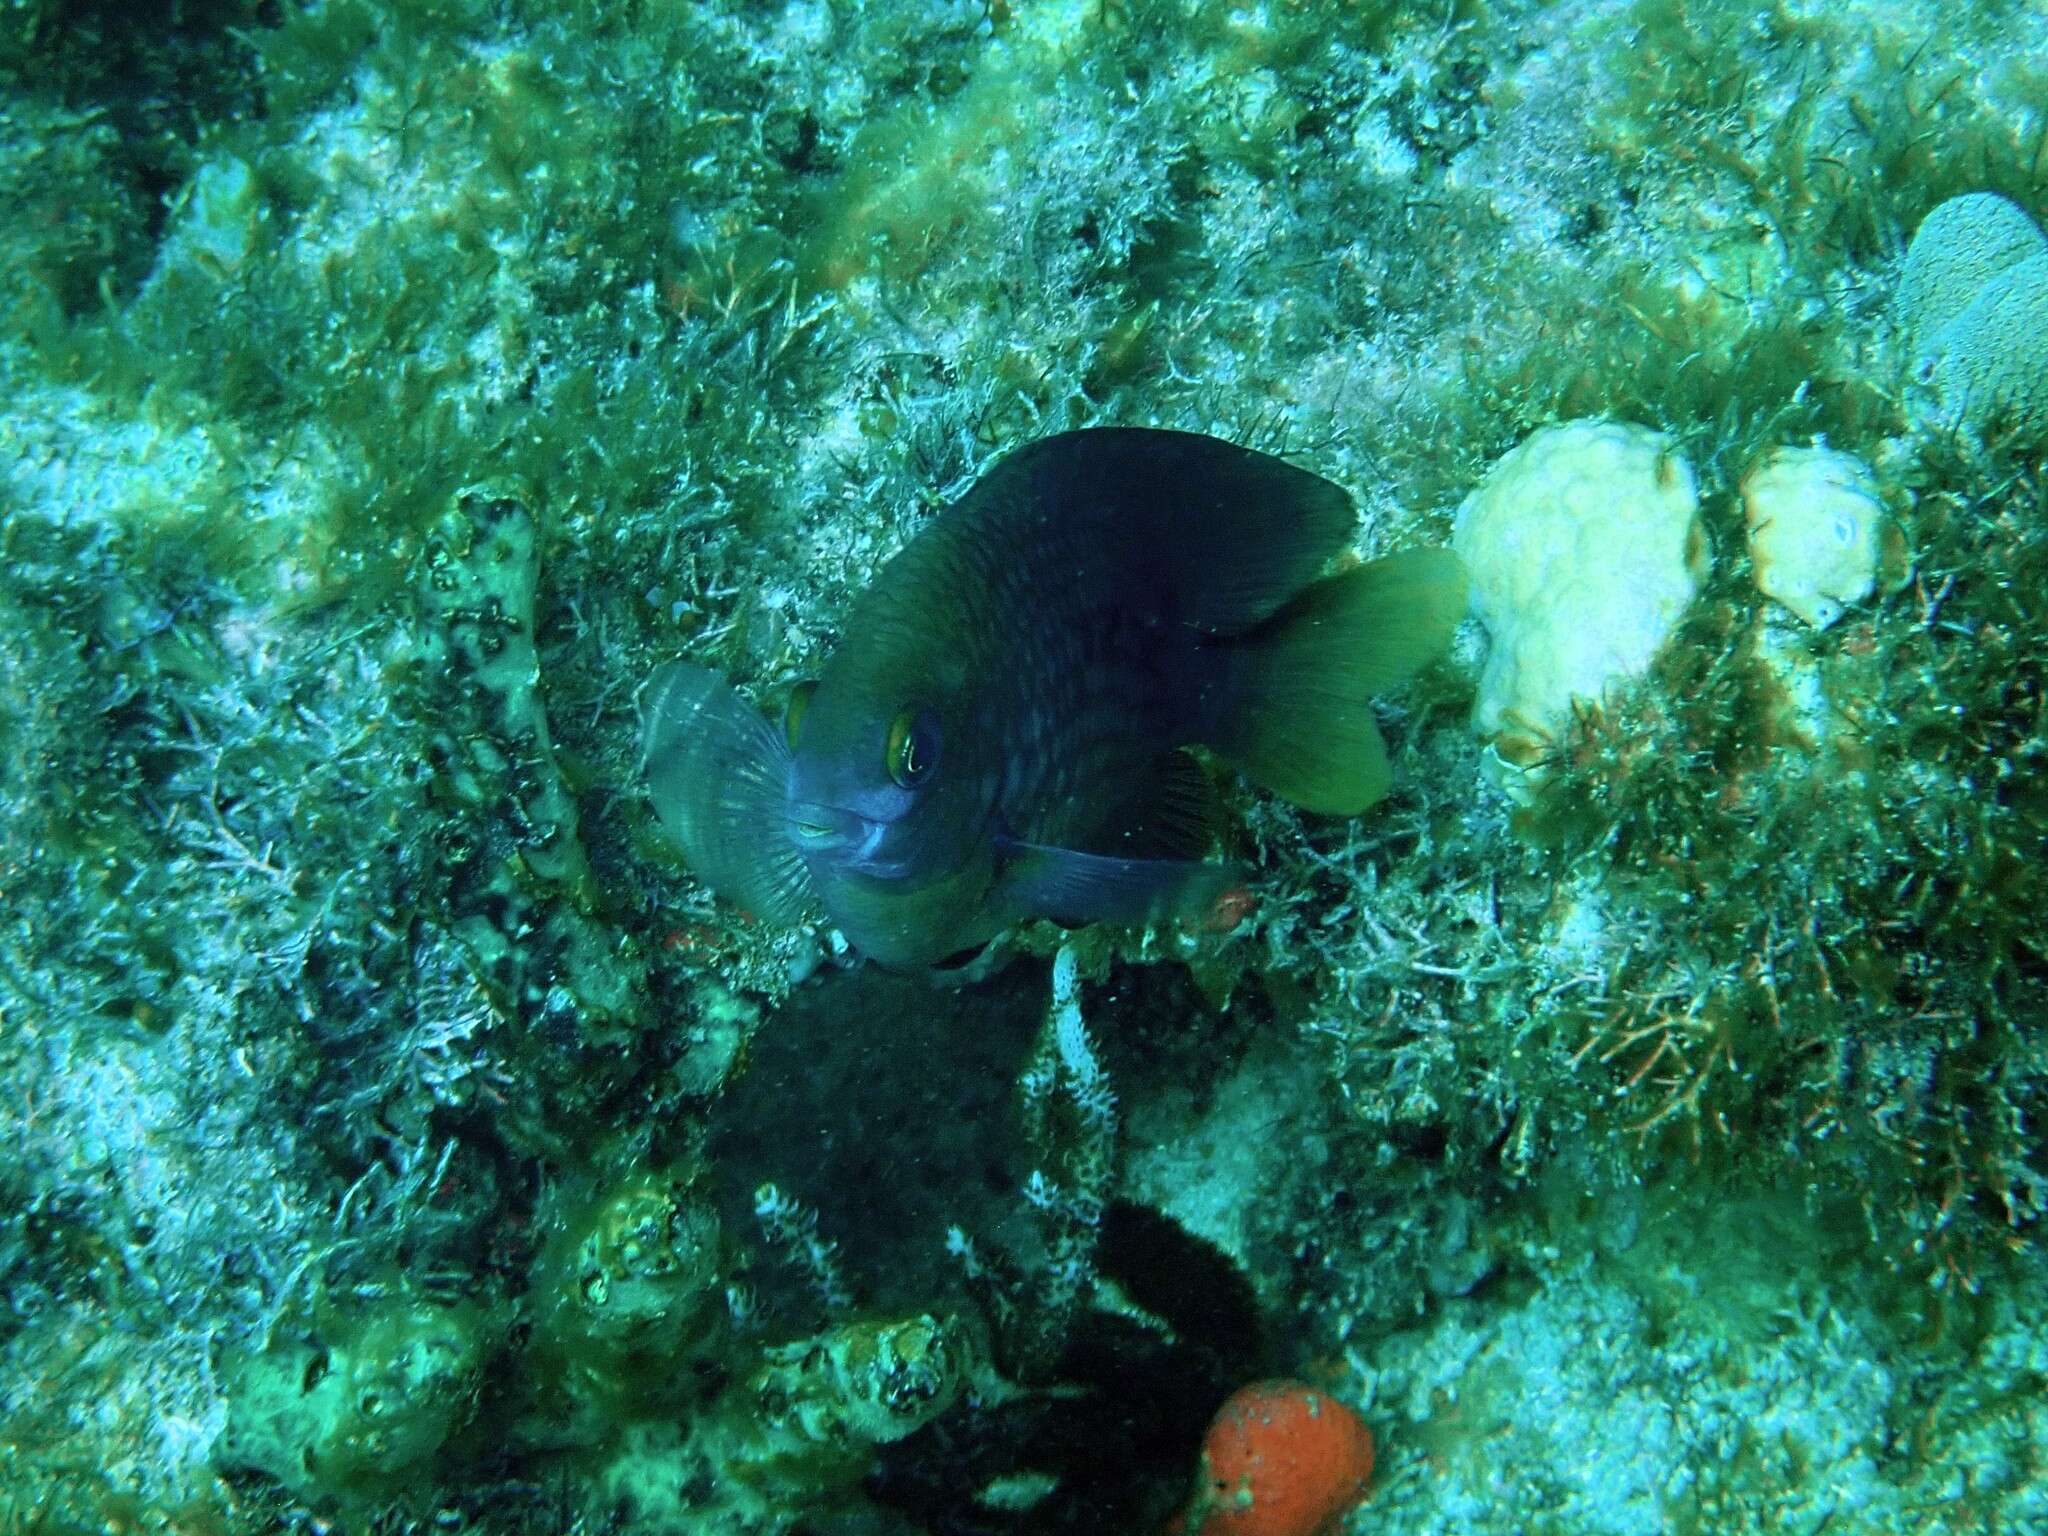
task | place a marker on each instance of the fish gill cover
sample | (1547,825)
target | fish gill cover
(1633,1117)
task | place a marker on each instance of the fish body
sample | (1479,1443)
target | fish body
(1000,734)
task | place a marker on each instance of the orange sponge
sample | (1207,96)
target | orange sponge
(1281,1459)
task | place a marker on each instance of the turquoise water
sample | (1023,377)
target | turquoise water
(1633,1118)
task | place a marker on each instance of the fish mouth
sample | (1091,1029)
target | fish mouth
(844,839)
(819,828)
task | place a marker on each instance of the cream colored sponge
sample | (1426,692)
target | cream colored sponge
(1584,547)
(1817,530)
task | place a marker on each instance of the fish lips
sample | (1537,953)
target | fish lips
(845,840)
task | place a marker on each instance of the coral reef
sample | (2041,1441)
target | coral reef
(401,1136)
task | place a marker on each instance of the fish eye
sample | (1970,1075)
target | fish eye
(912,748)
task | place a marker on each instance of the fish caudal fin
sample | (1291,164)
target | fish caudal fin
(1300,716)
(717,771)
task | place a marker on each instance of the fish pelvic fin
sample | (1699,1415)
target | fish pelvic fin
(1299,719)
(1074,888)
(717,771)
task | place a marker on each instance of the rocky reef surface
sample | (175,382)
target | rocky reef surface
(1635,1119)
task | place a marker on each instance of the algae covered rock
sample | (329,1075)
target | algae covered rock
(361,1403)
(220,216)
(1818,531)
(792,1439)
(1584,548)
(627,1294)
(1973,306)
(823,1402)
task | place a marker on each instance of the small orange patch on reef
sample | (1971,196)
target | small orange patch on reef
(1281,1459)
(1228,910)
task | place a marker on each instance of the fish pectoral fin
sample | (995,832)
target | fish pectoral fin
(1074,888)
(1167,811)
(718,771)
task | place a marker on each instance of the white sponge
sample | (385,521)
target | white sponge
(1584,547)
(1817,530)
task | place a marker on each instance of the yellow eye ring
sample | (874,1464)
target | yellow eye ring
(793,711)
(911,750)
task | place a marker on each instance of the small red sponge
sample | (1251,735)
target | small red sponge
(1281,1459)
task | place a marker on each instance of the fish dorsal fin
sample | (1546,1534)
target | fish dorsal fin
(1231,532)
(718,773)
